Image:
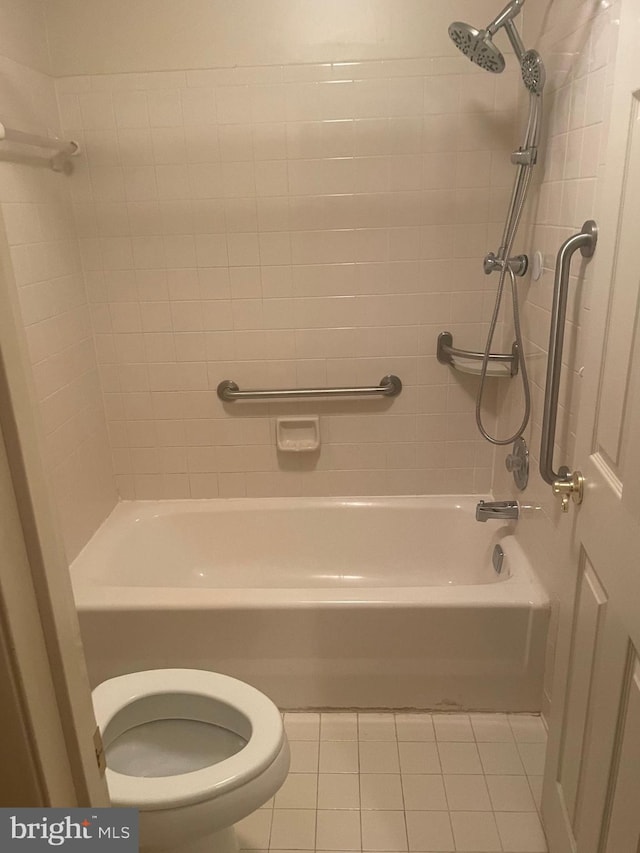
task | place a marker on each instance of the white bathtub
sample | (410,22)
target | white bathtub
(335,603)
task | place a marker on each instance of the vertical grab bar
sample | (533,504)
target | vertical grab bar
(564,483)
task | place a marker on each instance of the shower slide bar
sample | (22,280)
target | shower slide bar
(390,386)
(63,149)
(565,483)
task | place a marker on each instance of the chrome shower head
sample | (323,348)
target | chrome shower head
(533,73)
(477,45)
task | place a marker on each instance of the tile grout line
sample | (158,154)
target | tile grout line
(404,803)
(524,774)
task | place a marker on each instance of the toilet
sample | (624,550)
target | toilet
(194,751)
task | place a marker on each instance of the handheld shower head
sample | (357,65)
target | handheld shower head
(477,45)
(533,73)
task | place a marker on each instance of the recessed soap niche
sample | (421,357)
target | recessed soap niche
(298,435)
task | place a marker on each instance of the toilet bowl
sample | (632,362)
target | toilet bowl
(194,751)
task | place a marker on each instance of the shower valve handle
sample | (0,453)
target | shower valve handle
(514,463)
(519,264)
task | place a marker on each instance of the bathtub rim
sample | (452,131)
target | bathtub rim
(522,589)
(123,598)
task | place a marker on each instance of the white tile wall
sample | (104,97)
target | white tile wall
(94,37)
(44,258)
(289,226)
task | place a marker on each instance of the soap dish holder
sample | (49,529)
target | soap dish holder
(298,435)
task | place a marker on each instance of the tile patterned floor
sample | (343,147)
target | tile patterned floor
(389,783)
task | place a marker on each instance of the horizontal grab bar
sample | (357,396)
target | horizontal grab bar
(389,386)
(585,241)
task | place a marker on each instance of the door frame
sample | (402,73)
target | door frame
(41,651)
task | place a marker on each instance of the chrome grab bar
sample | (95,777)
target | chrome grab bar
(565,483)
(390,386)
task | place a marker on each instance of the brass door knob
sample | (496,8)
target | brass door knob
(569,488)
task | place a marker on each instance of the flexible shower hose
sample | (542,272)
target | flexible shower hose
(506,269)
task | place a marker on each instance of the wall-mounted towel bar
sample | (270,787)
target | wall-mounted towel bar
(63,148)
(468,361)
(389,386)
(565,483)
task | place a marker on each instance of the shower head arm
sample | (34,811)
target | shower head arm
(510,11)
(514,38)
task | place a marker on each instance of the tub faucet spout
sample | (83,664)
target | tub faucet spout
(497,509)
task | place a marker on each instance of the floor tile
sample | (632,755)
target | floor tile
(532,756)
(338,830)
(535,783)
(415,727)
(453,727)
(383,830)
(527,728)
(304,756)
(338,791)
(421,757)
(429,831)
(500,758)
(298,792)
(521,832)
(293,829)
(424,792)
(339,727)
(376,727)
(302,726)
(338,756)
(253,832)
(379,757)
(510,794)
(380,791)
(460,757)
(372,782)
(491,728)
(475,831)
(467,793)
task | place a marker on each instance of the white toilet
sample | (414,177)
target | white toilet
(194,751)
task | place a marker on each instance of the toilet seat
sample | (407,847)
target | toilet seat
(129,700)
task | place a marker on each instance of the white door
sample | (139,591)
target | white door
(591,798)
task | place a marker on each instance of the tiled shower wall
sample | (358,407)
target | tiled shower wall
(290,225)
(41,257)
(578,43)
